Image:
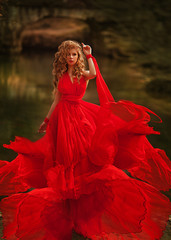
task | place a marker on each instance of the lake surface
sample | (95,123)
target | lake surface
(26,96)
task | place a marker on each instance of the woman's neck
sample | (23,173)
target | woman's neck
(70,70)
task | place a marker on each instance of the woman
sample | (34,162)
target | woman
(76,168)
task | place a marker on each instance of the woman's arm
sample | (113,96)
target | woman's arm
(44,124)
(55,102)
(91,73)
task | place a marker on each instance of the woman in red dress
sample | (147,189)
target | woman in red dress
(75,172)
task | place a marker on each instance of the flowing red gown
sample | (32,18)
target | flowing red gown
(75,175)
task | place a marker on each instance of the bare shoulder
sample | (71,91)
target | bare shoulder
(87,75)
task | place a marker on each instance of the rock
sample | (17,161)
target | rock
(49,32)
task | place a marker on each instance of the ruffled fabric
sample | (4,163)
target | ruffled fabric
(74,174)
(107,205)
(10,181)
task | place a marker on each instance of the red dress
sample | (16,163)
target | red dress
(75,175)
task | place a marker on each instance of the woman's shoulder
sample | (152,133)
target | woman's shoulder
(84,72)
(63,75)
(87,75)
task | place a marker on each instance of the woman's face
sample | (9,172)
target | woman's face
(72,57)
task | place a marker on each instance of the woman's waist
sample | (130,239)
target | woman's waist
(71,98)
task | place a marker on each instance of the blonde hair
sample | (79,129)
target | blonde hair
(60,64)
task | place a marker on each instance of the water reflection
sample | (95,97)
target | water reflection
(25,95)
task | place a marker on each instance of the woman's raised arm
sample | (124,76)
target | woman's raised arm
(91,73)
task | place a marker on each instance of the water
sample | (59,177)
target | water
(25,96)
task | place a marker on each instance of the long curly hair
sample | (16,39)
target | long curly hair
(60,65)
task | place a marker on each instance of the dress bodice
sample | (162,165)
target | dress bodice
(71,90)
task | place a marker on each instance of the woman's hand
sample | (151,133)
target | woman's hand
(42,127)
(86,49)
